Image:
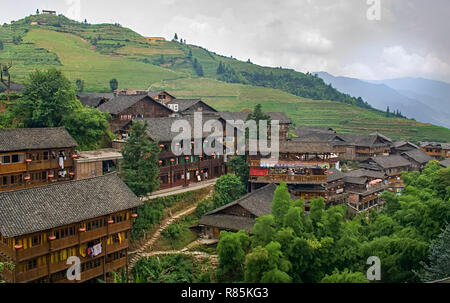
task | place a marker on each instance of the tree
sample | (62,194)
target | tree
(258,115)
(5,265)
(240,167)
(175,37)
(438,266)
(17,40)
(220,68)
(89,127)
(161,59)
(113,84)
(228,188)
(48,99)
(140,161)
(231,252)
(281,202)
(37,12)
(345,276)
(388,112)
(80,85)
(1,45)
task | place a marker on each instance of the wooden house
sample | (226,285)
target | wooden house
(35,156)
(436,150)
(364,194)
(417,158)
(189,106)
(124,108)
(40,228)
(237,215)
(161,96)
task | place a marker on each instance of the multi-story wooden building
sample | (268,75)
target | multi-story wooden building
(303,166)
(161,96)
(34,157)
(364,194)
(40,228)
(185,168)
(436,150)
(417,158)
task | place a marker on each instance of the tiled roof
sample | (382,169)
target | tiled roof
(121,102)
(417,155)
(159,129)
(334,175)
(302,130)
(446,162)
(234,223)
(355,180)
(366,173)
(257,202)
(94,100)
(404,144)
(280,116)
(185,104)
(391,161)
(435,145)
(156,93)
(41,208)
(18,139)
(362,139)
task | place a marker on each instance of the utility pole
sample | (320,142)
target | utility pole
(4,73)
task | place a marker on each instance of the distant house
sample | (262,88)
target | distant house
(363,194)
(94,100)
(417,158)
(31,157)
(436,150)
(361,147)
(124,108)
(393,166)
(189,106)
(47,12)
(161,96)
(237,215)
(402,146)
(96,163)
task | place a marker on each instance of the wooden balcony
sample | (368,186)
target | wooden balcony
(93,234)
(57,267)
(29,253)
(368,198)
(292,179)
(12,168)
(119,227)
(116,246)
(6,250)
(116,264)
(33,274)
(87,275)
(63,243)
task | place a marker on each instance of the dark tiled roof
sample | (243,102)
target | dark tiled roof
(257,202)
(417,155)
(334,175)
(363,140)
(41,208)
(293,146)
(391,161)
(307,130)
(366,173)
(94,100)
(121,102)
(446,162)
(185,104)
(404,144)
(355,180)
(159,129)
(320,137)
(17,139)
(234,223)
(280,116)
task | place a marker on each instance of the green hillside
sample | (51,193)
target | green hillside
(98,53)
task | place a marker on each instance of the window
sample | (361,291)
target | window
(32,264)
(6,159)
(15,158)
(175,107)
(46,156)
(36,240)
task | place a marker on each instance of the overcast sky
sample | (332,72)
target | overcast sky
(411,38)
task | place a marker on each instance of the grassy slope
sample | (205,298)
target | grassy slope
(121,53)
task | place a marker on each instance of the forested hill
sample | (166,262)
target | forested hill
(96,53)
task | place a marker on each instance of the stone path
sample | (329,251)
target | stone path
(180,189)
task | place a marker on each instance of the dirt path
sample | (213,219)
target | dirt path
(180,189)
(140,253)
(196,254)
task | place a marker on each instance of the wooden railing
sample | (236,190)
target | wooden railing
(116,264)
(93,234)
(116,246)
(118,227)
(311,179)
(24,254)
(33,274)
